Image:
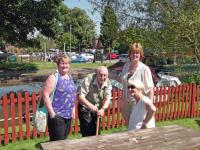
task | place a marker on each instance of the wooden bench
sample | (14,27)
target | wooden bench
(161,138)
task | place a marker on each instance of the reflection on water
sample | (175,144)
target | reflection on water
(35,86)
(114,83)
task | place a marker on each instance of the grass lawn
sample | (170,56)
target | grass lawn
(49,65)
(34,144)
(42,68)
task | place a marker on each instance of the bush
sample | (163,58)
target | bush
(195,78)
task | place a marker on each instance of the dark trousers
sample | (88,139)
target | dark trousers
(87,120)
(58,128)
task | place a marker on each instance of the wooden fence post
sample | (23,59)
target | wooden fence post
(171,103)
(5,117)
(34,107)
(191,101)
(12,109)
(27,109)
(19,98)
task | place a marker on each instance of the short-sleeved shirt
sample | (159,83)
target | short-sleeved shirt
(142,72)
(64,97)
(138,114)
(90,89)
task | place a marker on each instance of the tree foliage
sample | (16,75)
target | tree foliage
(82,28)
(109,27)
(164,25)
(131,19)
(125,10)
(21,18)
(177,23)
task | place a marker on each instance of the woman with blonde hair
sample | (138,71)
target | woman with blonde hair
(135,69)
(62,107)
(142,114)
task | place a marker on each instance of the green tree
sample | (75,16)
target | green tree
(20,18)
(64,39)
(129,36)
(164,25)
(82,28)
(176,24)
(132,22)
(127,11)
(109,27)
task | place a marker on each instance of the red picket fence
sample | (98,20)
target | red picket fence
(17,111)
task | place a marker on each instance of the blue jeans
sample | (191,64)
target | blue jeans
(58,128)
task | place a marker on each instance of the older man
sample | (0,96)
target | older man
(94,88)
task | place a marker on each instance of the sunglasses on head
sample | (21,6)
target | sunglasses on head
(131,86)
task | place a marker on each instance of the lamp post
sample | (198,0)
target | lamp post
(70,30)
(45,52)
(64,48)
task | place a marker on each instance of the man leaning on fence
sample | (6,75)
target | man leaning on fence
(94,89)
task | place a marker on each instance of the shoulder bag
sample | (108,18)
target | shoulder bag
(41,114)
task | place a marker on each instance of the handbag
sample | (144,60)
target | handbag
(40,116)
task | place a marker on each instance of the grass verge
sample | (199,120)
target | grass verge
(34,144)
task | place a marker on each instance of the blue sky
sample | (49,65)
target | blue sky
(83,4)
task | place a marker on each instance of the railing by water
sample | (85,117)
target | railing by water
(17,110)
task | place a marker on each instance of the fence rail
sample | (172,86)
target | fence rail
(17,110)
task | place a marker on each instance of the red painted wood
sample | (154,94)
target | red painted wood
(34,107)
(27,109)
(102,120)
(5,117)
(187,101)
(156,93)
(194,101)
(190,102)
(118,107)
(159,103)
(164,104)
(198,99)
(171,103)
(175,102)
(108,117)
(12,109)
(168,103)
(181,101)
(123,121)
(113,108)
(19,97)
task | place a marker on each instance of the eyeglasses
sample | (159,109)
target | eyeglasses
(131,86)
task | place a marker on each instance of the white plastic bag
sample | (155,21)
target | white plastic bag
(40,119)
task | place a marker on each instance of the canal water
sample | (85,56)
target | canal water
(36,86)
(30,87)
